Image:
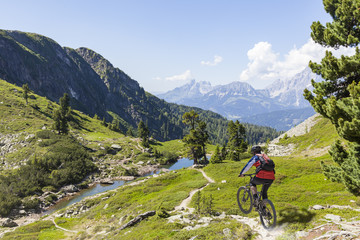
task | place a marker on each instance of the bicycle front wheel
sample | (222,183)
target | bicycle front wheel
(267,214)
(245,200)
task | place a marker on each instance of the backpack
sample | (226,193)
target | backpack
(265,164)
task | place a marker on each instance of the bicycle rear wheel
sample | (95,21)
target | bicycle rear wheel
(245,200)
(267,214)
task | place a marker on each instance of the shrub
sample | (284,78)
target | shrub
(48,189)
(143,157)
(51,197)
(170,157)
(30,203)
(7,202)
(131,172)
(45,134)
(66,162)
(47,142)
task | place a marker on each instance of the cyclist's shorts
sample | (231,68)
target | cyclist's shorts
(259,181)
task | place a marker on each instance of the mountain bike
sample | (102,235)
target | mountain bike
(264,207)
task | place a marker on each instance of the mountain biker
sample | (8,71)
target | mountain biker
(263,177)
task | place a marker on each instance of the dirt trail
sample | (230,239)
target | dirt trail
(64,229)
(256,226)
(184,204)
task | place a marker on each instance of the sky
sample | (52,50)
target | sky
(164,44)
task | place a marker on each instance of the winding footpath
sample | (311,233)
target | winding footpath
(64,229)
(184,204)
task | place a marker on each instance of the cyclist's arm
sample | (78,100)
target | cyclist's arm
(249,165)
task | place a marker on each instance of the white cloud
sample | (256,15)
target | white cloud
(216,61)
(181,77)
(265,65)
(157,78)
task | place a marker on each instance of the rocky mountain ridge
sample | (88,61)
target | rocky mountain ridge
(93,83)
(239,100)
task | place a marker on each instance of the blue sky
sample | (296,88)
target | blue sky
(163,44)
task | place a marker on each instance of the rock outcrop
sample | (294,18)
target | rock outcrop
(137,219)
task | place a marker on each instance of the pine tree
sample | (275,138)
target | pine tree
(190,118)
(236,142)
(104,122)
(130,132)
(143,132)
(57,120)
(338,97)
(197,138)
(62,115)
(198,198)
(216,157)
(223,152)
(26,91)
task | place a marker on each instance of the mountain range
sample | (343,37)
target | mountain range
(98,88)
(280,105)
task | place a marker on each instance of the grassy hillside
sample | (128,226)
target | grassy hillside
(314,142)
(21,121)
(299,184)
(35,160)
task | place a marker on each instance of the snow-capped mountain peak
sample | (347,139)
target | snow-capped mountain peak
(239,100)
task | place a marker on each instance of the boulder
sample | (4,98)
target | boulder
(70,189)
(317,207)
(107,181)
(138,219)
(9,223)
(116,147)
(332,217)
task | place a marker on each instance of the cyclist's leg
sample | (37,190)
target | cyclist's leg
(265,188)
(253,187)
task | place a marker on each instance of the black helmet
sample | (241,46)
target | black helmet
(256,149)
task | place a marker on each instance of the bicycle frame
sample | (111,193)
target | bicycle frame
(264,207)
(260,194)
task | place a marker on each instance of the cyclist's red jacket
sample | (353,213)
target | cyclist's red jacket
(255,161)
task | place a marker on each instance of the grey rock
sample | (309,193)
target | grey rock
(107,181)
(301,234)
(137,219)
(69,189)
(317,207)
(227,232)
(22,212)
(9,223)
(116,146)
(83,208)
(29,136)
(333,217)
(59,215)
